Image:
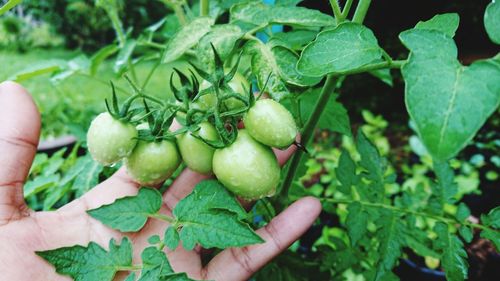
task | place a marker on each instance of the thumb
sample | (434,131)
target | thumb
(19,135)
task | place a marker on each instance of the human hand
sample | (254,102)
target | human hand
(23,231)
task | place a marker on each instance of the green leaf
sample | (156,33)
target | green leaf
(171,238)
(463,212)
(286,61)
(356,222)
(129,214)
(223,37)
(264,65)
(131,277)
(492,21)
(384,75)
(55,194)
(211,217)
(88,177)
(347,47)
(392,239)
(493,236)
(155,265)
(447,101)
(374,164)
(335,118)
(295,39)
(92,262)
(346,172)
(444,190)
(124,56)
(155,239)
(453,255)
(446,23)
(492,218)
(37,69)
(186,38)
(100,56)
(40,184)
(9,5)
(261,14)
(466,233)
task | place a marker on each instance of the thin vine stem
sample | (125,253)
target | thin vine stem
(446,220)
(336,11)
(361,10)
(204,7)
(129,268)
(162,217)
(347,8)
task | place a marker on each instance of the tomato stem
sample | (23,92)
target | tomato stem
(162,217)
(450,221)
(347,8)
(336,11)
(361,10)
(204,7)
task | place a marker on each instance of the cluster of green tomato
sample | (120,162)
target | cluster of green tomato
(247,166)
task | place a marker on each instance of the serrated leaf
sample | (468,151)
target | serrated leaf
(129,214)
(453,255)
(335,118)
(447,101)
(347,47)
(356,222)
(463,212)
(493,236)
(346,172)
(446,23)
(295,39)
(40,184)
(124,55)
(55,194)
(155,239)
(444,190)
(492,218)
(37,69)
(92,262)
(392,239)
(492,21)
(100,56)
(373,163)
(223,37)
(155,265)
(286,61)
(211,217)
(264,65)
(171,238)
(261,14)
(88,177)
(383,75)
(466,233)
(186,38)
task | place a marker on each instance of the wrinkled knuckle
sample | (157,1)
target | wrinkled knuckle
(273,233)
(242,258)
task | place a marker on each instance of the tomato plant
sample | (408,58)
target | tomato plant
(221,89)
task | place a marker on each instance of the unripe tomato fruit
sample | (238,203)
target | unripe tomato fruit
(247,168)
(271,123)
(196,154)
(109,140)
(238,84)
(153,162)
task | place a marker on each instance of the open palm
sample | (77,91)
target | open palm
(23,231)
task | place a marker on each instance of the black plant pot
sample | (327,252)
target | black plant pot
(410,271)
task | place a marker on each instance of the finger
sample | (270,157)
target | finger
(19,135)
(236,264)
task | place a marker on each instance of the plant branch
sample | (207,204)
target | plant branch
(307,134)
(376,66)
(451,221)
(129,268)
(204,7)
(347,8)
(162,217)
(361,10)
(336,11)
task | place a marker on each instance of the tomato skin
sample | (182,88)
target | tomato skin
(196,154)
(109,140)
(271,123)
(238,84)
(153,162)
(247,168)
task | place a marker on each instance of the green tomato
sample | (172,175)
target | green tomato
(247,168)
(109,140)
(153,162)
(271,123)
(238,84)
(196,154)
